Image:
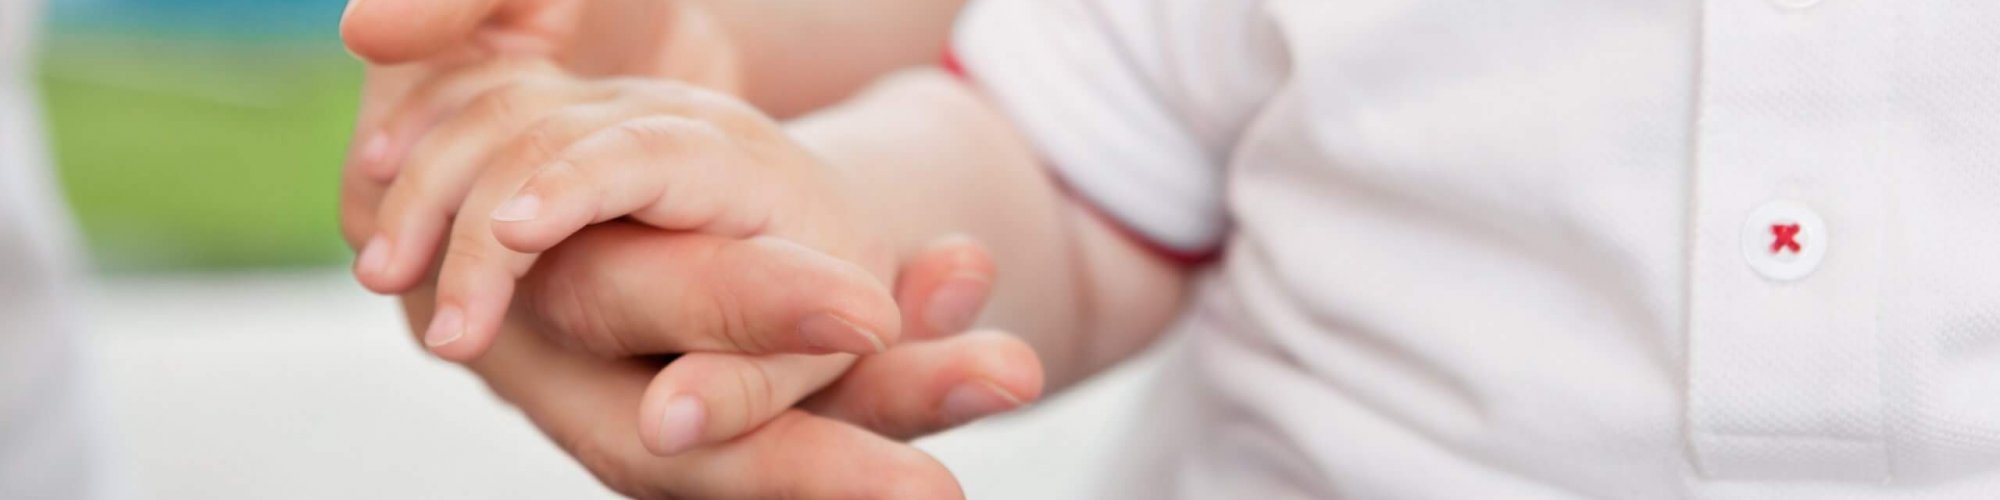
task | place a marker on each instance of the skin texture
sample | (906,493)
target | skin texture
(931,156)
(915,228)
(569,393)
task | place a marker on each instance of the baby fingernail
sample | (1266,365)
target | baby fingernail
(374,257)
(972,400)
(681,423)
(955,305)
(830,332)
(521,207)
(447,326)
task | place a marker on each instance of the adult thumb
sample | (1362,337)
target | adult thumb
(398,31)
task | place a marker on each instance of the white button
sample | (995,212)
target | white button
(1795,4)
(1784,240)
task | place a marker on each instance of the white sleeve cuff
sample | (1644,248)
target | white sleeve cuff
(1055,69)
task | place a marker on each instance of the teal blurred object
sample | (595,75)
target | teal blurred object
(200,135)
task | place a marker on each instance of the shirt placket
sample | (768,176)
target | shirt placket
(1784,371)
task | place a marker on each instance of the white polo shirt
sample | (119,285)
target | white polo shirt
(47,449)
(1545,249)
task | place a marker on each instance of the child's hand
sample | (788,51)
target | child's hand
(664,154)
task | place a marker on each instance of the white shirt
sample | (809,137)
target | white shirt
(47,448)
(1545,249)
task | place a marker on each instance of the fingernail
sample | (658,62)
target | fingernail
(447,326)
(374,257)
(681,423)
(955,305)
(521,207)
(827,331)
(972,400)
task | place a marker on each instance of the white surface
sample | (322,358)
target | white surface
(303,386)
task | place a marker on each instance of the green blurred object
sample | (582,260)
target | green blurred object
(201,155)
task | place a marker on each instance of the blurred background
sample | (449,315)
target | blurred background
(200,134)
(198,142)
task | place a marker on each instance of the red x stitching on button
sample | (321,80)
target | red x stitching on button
(1787,238)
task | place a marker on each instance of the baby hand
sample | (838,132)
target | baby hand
(530,162)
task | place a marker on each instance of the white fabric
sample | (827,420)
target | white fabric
(47,440)
(1495,249)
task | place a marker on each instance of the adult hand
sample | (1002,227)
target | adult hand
(615,287)
(623,291)
(586,401)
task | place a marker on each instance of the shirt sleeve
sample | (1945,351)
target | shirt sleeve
(1135,104)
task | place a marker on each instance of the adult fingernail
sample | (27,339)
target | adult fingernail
(374,258)
(972,400)
(681,423)
(447,326)
(521,207)
(955,305)
(830,332)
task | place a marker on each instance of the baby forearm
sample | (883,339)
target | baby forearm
(799,55)
(930,158)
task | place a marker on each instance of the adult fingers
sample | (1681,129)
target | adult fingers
(707,398)
(621,289)
(923,387)
(942,286)
(396,31)
(584,403)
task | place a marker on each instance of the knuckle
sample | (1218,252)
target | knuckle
(507,65)
(658,92)
(553,135)
(681,98)
(726,317)
(670,136)
(415,186)
(754,388)
(567,304)
(879,419)
(504,104)
(540,142)
(468,249)
(645,133)
(722,108)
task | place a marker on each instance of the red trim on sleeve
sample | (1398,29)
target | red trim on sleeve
(1185,258)
(950,63)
